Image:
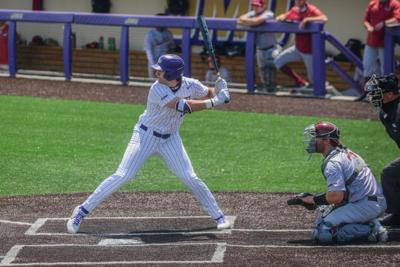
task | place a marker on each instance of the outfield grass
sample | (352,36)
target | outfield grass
(59,146)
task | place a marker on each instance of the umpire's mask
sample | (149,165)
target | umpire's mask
(374,92)
(378,85)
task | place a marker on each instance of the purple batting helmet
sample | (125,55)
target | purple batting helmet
(171,65)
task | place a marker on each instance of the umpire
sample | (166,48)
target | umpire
(383,93)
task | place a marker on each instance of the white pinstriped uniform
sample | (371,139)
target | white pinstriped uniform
(162,120)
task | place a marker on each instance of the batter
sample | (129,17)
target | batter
(156,133)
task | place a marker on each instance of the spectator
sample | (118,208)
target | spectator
(266,44)
(3,43)
(304,13)
(211,75)
(157,42)
(379,13)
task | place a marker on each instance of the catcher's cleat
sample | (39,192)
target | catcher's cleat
(76,219)
(223,223)
(392,220)
(378,232)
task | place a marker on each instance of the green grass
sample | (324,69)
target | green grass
(59,146)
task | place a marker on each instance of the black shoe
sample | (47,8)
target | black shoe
(392,220)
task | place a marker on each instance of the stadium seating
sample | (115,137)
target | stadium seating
(104,62)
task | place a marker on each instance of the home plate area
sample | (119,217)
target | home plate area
(263,239)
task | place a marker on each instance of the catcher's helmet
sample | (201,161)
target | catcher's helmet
(378,85)
(171,65)
(321,129)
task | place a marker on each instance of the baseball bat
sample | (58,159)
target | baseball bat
(207,41)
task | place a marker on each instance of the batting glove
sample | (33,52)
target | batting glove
(221,98)
(220,84)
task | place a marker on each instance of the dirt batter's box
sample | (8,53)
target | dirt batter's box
(120,244)
(131,226)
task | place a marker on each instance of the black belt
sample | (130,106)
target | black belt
(373,198)
(266,48)
(156,134)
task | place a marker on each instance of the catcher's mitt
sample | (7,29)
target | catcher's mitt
(297,200)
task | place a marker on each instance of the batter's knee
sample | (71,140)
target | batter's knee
(122,175)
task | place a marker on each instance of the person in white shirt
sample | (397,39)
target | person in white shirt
(157,42)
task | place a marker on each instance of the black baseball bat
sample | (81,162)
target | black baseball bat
(207,41)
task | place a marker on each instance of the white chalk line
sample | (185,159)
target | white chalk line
(142,218)
(15,222)
(219,253)
(33,230)
(217,257)
(366,246)
(13,253)
(35,227)
(271,230)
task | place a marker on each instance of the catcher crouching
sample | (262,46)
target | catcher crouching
(350,208)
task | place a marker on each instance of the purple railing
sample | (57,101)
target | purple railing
(350,56)
(390,35)
(185,23)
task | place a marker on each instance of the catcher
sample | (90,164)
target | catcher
(349,210)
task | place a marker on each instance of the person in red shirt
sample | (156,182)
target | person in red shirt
(3,43)
(302,12)
(379,14)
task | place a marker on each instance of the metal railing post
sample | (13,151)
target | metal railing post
(319,70)
(124,55)
(67,51)
(186,52)
(12,48)
(249,59)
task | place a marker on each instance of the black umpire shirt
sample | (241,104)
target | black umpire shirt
(390,117)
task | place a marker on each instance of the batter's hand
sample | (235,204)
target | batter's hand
(298,200)
(222,97)
(220,84)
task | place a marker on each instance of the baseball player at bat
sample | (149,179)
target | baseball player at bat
(353,192)
(171,97)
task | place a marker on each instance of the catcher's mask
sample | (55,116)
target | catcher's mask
(378,85)
(322,129)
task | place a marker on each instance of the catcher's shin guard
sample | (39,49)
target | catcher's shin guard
(378,232)
(324,233)
(351,232)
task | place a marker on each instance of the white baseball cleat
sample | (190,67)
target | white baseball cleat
(223,223)
(76,219)
(378,232)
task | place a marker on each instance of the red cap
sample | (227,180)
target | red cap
(259,3)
